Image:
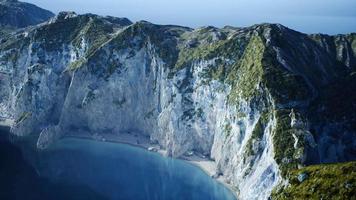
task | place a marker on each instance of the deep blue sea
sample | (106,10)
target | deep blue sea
(86,169)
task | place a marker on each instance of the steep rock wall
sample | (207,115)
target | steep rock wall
(239,96)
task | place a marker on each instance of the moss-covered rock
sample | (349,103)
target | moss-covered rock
(257,134)
(246,75)
(23,117)
(76,64)
(327,181)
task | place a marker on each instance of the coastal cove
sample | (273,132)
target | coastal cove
(141,141)
(122,171)
(103,107)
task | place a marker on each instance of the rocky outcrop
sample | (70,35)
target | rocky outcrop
(255,100)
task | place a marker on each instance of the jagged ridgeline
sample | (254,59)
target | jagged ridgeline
(260,101)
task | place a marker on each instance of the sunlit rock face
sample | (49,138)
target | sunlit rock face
(259,101)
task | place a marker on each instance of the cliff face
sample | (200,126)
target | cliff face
(15,14)
(259,101)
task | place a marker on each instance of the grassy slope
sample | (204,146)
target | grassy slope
(327,181)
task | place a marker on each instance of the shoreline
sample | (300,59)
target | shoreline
(206,165)
(5,125)
(136,140)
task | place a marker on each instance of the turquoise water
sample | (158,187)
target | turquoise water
(119,171)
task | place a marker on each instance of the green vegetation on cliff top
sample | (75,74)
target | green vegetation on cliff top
(325,181)
(246,75)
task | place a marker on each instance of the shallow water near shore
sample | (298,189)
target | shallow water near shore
(120,171)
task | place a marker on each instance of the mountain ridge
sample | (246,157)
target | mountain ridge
(16,14)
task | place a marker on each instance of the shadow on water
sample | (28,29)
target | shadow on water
(19,180)
(86,169)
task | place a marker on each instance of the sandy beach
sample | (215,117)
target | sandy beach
(207,165)
(6,124)
(137,140)
(144,142)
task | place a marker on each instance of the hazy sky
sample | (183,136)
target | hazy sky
(310,16)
